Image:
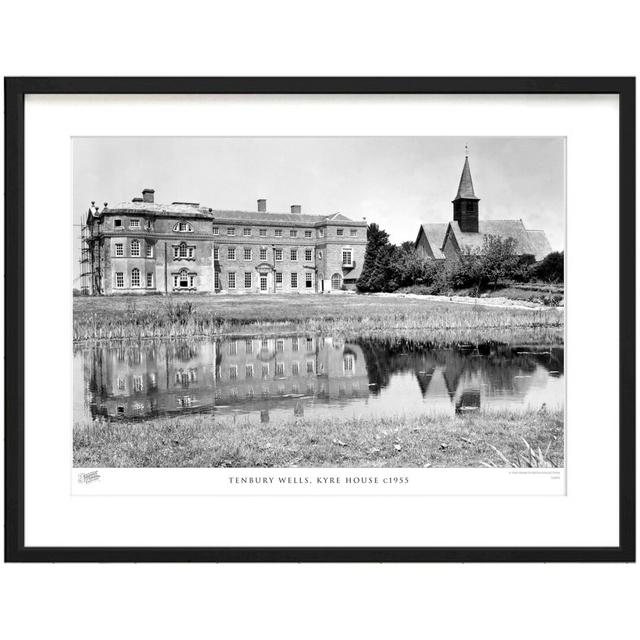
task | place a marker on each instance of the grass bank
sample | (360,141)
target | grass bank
(532,293)
(549,295)
(475,440)
(128,317)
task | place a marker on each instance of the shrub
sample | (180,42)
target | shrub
(430,272)
(388,267)
(550,269)
(522,271)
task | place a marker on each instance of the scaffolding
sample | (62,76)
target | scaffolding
(86,251)
(89,278)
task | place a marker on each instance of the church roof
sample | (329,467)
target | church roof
(527,242)
(435,232)
(465,188)
(539,244)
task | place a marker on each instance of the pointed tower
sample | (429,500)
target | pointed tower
(465,204)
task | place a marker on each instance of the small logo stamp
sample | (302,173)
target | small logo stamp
(88,477)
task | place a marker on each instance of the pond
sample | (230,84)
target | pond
(274,378)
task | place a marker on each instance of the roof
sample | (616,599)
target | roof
(539,243)
(337,216)
(465,188)
(193,210)
(527,242)
(435,232)
(186,210)
(299,218)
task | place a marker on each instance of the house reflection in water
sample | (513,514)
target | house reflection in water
(252,374)
(291,376)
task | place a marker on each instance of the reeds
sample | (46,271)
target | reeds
(531,458)
(349,316)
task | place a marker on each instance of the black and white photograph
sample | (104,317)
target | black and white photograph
(311,302)
(319,322)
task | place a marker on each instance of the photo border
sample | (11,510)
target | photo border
(15,91)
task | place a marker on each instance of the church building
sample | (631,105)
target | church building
(466,232)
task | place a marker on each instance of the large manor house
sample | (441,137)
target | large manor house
(146,247)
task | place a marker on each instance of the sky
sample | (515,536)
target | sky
(397,182)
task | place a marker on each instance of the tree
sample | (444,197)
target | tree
(480,267)
(406,267)
(377,261)
(497,259)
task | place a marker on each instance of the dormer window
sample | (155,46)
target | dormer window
(183,227)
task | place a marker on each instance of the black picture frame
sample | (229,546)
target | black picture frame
(15,91)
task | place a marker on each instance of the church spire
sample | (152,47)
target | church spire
(465,204)
(465,188)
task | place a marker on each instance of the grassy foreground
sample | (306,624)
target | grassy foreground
(129,317)
(475,440)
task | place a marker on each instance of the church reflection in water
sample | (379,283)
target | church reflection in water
(291,374)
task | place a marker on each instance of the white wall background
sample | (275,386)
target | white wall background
(329,38)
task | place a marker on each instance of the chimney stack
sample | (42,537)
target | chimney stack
(262,205)
(147,195)
(296,208)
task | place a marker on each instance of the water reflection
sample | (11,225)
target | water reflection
(276,377)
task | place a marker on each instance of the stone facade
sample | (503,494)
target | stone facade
(142,247)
